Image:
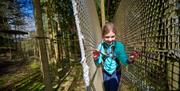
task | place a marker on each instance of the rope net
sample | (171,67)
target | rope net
(88,26)
(152,27)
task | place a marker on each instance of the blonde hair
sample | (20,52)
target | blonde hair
(109,26)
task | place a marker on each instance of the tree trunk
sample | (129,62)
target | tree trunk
(50,27)
(42,45)
(59,49)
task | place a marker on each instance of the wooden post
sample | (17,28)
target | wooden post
(42,45)
(102,13)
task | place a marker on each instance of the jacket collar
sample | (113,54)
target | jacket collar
(106,45)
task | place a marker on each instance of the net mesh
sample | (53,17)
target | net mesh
(90,28)
(152,27)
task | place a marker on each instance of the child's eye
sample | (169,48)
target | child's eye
(109,36)
(112,36)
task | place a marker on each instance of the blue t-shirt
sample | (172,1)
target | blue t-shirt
(108,55)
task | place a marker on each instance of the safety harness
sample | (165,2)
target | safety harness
(106,55)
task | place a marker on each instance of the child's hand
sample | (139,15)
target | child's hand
(96,54)
(133,55)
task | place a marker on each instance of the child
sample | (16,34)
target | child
(110,53)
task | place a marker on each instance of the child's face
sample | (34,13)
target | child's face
(109,37)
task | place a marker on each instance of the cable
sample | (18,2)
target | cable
(83,58)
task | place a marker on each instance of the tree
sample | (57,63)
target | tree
(42,45)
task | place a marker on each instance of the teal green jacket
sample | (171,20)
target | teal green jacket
(109,54)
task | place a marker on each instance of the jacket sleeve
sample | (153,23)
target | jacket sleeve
(99,60)
(121,53)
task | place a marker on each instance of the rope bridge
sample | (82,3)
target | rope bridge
(149,26)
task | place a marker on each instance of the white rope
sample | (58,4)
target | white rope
(80,36)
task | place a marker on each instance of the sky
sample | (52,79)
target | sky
(29,18)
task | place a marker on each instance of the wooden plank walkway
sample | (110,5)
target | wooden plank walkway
(74,82)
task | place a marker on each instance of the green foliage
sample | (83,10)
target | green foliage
(3,12)
(11,18)
(65,12)
(34,65)
(12,14)
(37,86)
(110,8)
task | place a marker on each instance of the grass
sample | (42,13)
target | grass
(23,71)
